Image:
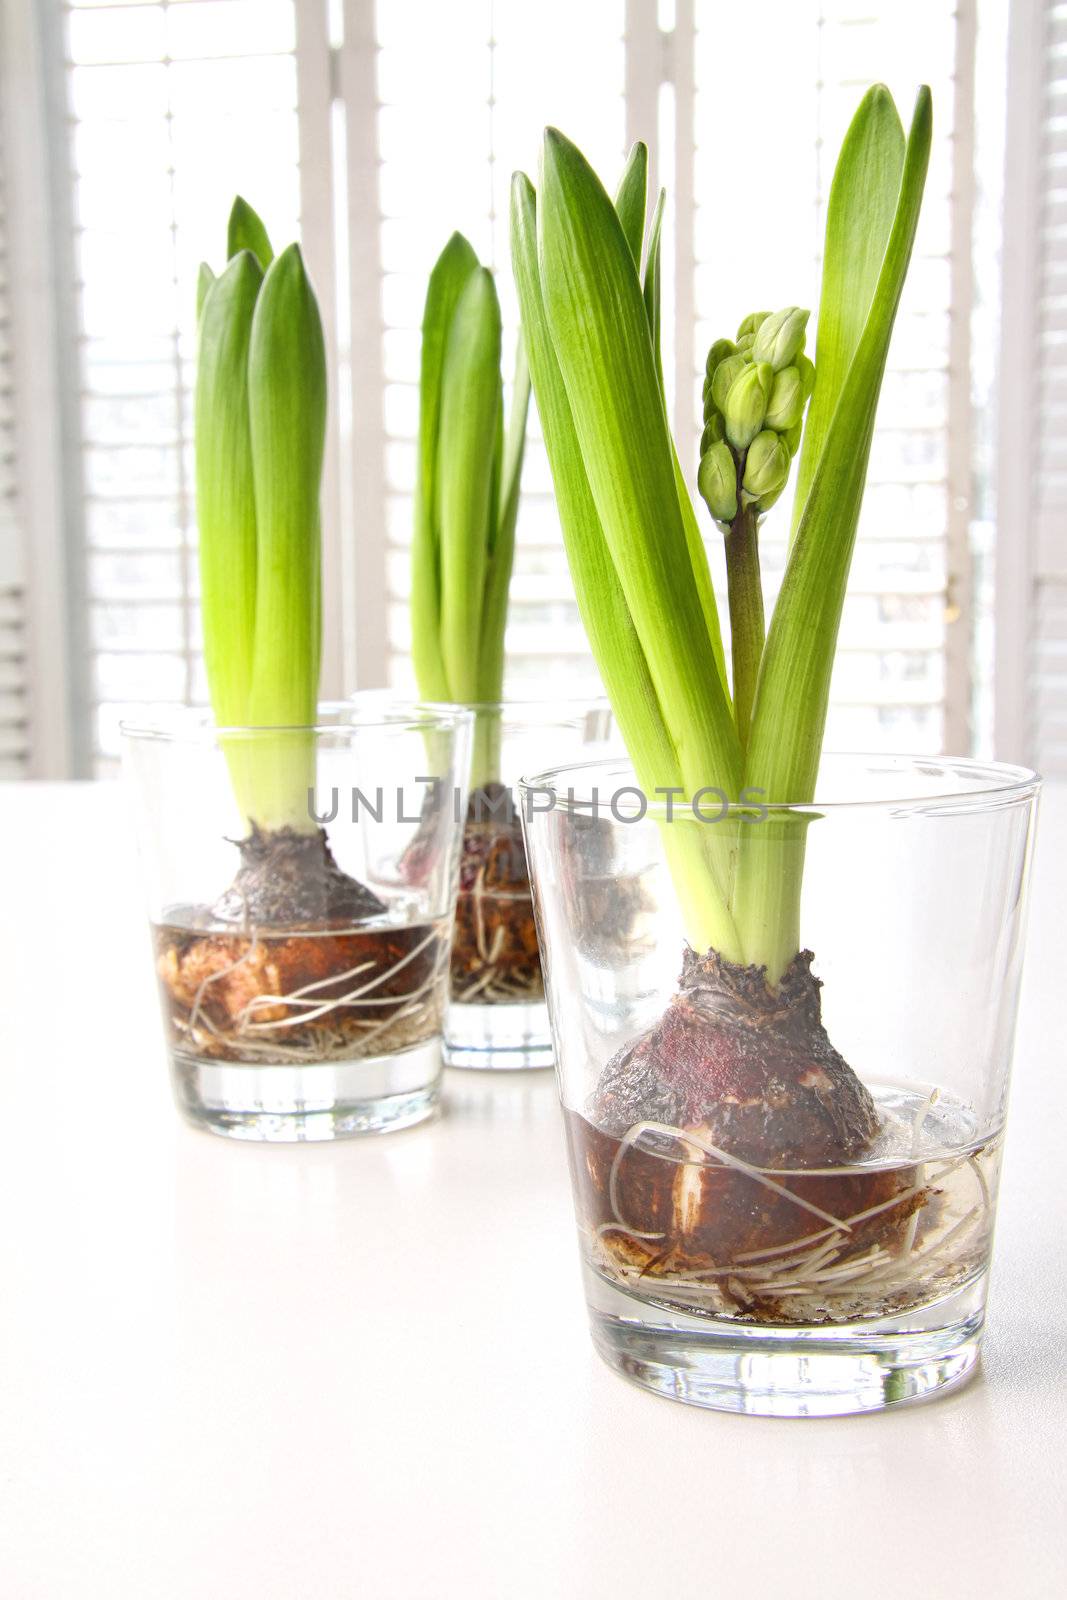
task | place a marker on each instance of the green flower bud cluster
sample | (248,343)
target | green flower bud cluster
(755,392)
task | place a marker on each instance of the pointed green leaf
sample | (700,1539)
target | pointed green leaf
(453,270)
(466,510)
(225,493)
(697,551)
(245,231)
(859,215)
(287,409)
(794,683)
(600,333)
(204,279)
(601,602)
(502,554)
(612,635)
(798,661)
(652,288)
(631,200)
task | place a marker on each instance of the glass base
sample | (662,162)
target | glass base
(296,1104)
(824,1371)
(501,1038)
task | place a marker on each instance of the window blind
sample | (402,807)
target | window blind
(1048,727)
(177,104)
(14,734)
(465,92)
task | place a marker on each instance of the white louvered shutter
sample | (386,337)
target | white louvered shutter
(14,732)
(1031,536)
(1048,724)
(175,107)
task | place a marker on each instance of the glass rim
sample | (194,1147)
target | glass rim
(563,705)
(179,724)
(1008,784)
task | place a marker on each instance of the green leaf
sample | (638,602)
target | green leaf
(225,492)
(602,604)
(631,200)
(859,215)
(287,411)
(652,287)
(502,554)
(612,635)
(245,231)
(204,279)
(453,270)
(600,333)
(794,684)
(470,420)
(698,554)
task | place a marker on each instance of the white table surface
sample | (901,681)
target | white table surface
(363,1369)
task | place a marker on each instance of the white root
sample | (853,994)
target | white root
(723,1158)
(257,1040)
(493,983)
(353,998)
(813,1273)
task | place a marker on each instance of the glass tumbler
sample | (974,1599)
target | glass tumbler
(785,1144)
(301,886)
(497,1016)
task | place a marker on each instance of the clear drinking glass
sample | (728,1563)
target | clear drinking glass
(779,1214)
(497,1016)
(303,967)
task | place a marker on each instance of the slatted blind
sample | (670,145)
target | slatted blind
(1048,731)
(465,92)
(176,104)
(174,107)
(767,133)
(14,733)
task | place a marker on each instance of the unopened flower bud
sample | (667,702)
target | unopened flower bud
(752,323)
(766,501)
(725,373)
(781,337)
(766,466)
(713,432)
(792,437)
(746,403)
(717,482)
(787,400)
(718,352)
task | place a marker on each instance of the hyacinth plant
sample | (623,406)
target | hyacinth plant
(590,308)
(463,548)
(466,497)
(738,1079)
(260,428)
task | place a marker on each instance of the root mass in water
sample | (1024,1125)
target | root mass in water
(495,958)
(731,1163)
(297,963)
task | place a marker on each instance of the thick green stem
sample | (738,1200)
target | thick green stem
(747,630)
(485,756)
(767,890)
